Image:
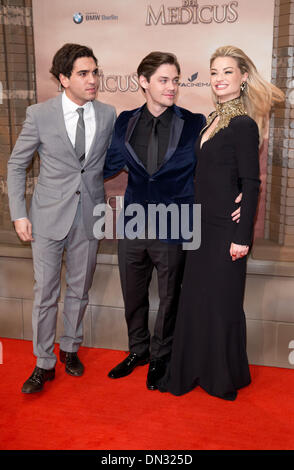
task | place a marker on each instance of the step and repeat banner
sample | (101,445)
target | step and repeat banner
(122,32)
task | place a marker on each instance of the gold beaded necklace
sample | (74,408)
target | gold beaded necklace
(226,111)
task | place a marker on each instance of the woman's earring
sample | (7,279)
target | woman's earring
(243,86)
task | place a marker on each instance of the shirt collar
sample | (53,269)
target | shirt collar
(165,118)
(70,107)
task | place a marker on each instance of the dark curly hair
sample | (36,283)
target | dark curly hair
(65,57)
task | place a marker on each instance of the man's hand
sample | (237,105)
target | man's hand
(238,251)
(236,214)
(23,228)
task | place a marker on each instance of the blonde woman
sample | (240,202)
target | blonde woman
(209,347)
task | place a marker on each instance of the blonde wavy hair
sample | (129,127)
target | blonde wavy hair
(259,96)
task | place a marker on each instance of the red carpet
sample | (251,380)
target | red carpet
(94,412)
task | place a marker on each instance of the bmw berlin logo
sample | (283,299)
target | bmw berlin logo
(78,18)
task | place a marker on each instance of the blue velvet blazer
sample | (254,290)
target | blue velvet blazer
(173,182)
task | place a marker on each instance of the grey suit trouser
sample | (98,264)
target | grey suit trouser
(80,263)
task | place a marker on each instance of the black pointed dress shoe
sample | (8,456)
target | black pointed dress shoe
(156,371)
(35,382)
(73,365)
(127,366)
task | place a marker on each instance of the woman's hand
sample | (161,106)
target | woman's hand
(236,214)
(238,251)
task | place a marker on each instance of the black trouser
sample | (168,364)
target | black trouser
(137,259)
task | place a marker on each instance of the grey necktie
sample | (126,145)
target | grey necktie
(152,151)
(80,144)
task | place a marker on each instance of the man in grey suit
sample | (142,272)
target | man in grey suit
(71,133)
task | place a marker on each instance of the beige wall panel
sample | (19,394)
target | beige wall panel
(261,342)
(269,298)
(109,329)
(16,278)
(11,325)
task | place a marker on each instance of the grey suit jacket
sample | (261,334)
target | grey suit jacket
(62,181)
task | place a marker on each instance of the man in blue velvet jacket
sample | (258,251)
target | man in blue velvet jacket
(156,145)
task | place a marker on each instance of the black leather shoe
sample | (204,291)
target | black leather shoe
(128,365)
(156,371)
(35,382)
(73,365)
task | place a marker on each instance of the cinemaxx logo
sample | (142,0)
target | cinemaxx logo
(192,82)
(193,77)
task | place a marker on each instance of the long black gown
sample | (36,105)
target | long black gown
(209,347)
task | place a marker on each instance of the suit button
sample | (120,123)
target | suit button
(82,171)
(78,192)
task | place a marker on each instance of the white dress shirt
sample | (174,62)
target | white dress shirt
(71,120)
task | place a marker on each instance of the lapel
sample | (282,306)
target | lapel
(60,124)
(130,129)
(175,134)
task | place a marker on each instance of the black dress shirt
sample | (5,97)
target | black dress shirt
(140,137)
